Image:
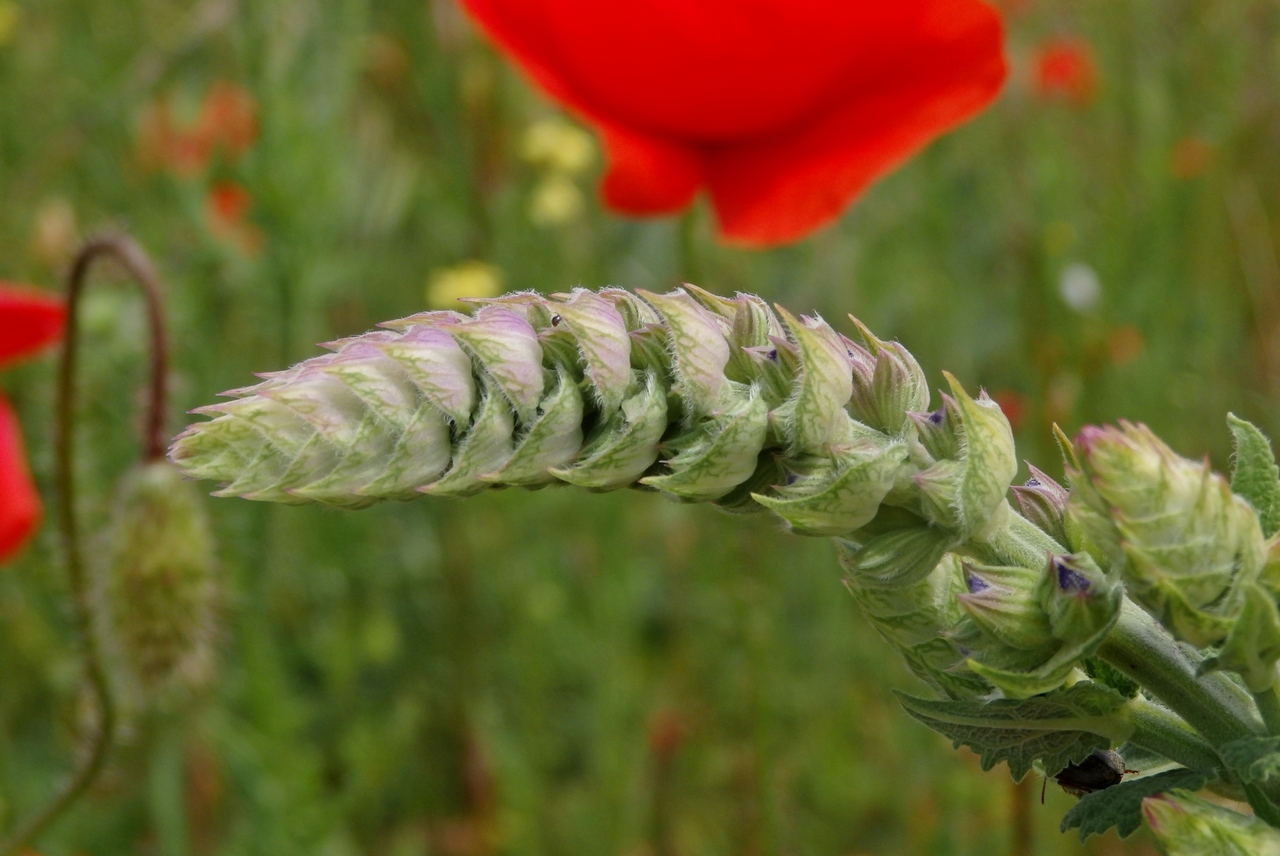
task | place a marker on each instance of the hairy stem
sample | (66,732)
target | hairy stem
(100,739)
(1158,729)
(1143,650)
(1268,702)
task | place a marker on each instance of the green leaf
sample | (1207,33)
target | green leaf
(1121,805)
(1256,761)
(1253,645)
(1256,477)
(1059,728)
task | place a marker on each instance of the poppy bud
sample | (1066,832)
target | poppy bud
(887,386)
(161,586)
(1043,501)
(1183,823)
(1171,527)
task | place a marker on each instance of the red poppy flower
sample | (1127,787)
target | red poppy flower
(784,110)
(1064,68)
(29,321)
(227,207)
(226,122)
(1014,405)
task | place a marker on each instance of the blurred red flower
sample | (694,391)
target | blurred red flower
(1014,405)
(29,321)
(1065,68)
(784,110)
(226,122)
(227,208)
(1189,157)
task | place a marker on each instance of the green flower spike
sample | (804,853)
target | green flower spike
(701,397)
(1030,629)
(1184,544)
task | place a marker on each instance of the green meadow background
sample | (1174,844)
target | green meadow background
(557,672)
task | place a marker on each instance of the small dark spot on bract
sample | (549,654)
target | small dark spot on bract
(1032,482)
(1070,579)
(976,583)
(773,355)
(936,416)
(555,320)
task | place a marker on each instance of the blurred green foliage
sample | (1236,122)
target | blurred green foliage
(557,672)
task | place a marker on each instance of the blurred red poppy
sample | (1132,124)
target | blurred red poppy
(226,122)
(29,321)
(1065,68)
(1014,405)
(784,110)
(227,208)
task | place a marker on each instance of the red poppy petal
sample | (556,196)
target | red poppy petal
(647,175)
(29,320)
(19,502)
(778,189)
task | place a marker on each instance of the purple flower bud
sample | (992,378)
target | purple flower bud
(1043,501)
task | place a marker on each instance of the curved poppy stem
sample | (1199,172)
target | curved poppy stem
(127,252)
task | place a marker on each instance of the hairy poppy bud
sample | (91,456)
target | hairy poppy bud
(1182,541)
(161,586)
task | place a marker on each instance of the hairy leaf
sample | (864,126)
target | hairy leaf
(1121,805)
(1256,477)
(1058,728)
(1256,760)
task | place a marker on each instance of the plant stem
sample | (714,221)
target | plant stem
(131,256)
(1143,650)
(1159,730)
(1268,702)
(687,246)
(1140,647)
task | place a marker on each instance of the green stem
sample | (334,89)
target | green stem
(1011,539)
(1138,645)
(1159,730)
(687,246)
(1143,650)
(102,736)
(1268,702)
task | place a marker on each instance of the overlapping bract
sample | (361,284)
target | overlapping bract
(703,397)
(1186,547)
